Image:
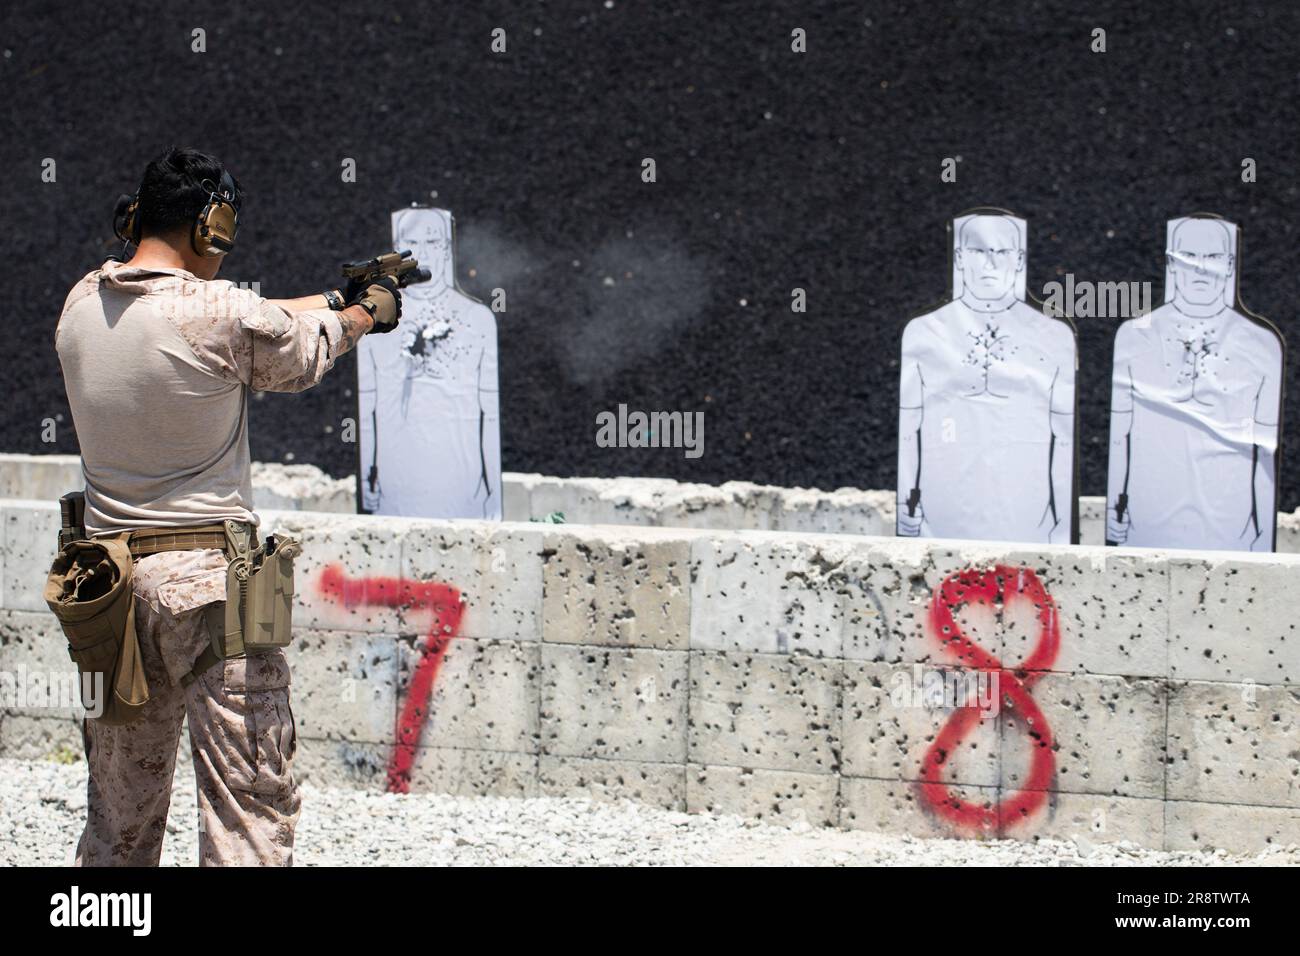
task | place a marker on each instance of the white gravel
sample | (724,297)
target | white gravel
(42,807)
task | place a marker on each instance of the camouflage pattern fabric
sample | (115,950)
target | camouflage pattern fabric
(242,735)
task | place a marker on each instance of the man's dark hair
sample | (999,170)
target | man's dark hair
(171,196)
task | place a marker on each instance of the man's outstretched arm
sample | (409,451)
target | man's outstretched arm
(292,351)
(303,303)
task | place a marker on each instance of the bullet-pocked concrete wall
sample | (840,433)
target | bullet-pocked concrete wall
(655,502)
(770,674)
(638,501)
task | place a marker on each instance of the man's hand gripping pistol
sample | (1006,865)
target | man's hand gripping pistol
(376,284)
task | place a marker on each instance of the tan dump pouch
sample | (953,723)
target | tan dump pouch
(89,589)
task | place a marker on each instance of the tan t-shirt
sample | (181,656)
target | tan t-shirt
(158,365)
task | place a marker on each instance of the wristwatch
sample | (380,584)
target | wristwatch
(334,299)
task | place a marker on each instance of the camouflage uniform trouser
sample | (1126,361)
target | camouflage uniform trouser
(242,735)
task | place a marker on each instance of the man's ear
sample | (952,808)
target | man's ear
(956,256)
(1020,260)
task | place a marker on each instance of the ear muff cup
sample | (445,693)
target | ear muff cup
(126,218)
(214,232)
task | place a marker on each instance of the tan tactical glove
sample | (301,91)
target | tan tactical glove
(383,300)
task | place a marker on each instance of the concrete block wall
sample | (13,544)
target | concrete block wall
(771,674)
(656,502)
(634,501)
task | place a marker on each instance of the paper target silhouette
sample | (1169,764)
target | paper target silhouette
(986,400)
(1195,411)
(430,442)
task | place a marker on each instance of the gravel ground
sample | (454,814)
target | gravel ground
(42,805)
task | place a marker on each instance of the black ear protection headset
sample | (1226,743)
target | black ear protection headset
(214,230)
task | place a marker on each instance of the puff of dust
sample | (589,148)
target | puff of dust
(636,294)
(498,261)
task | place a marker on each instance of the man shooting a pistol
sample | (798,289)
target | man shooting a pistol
(158,359)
